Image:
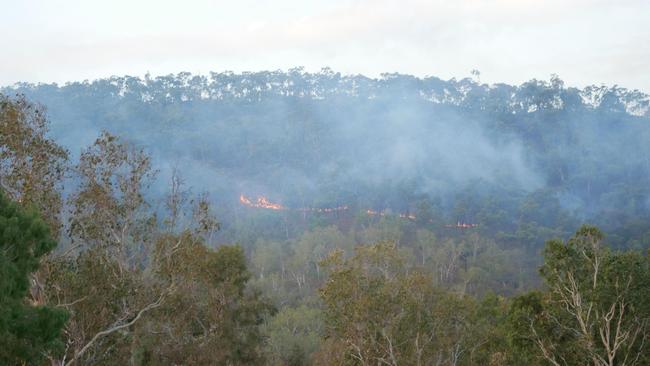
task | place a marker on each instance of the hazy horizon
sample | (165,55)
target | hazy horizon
(584,42)
(478,78)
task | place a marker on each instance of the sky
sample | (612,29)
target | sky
(585,42)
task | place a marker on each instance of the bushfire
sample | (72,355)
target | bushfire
(263,202)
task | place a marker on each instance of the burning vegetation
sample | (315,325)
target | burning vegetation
(264,203)
(261,202)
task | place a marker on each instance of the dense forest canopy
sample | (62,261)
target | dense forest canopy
(289,218)
(510,158)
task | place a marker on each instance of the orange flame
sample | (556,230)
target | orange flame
(262,202)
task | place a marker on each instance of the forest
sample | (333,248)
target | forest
(296,218)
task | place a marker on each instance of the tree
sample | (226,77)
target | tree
(595,308)
(106,287)
(31,165)
(308,252)
(210,318)
(109,208)
(378,313)
(294,334)
(28,333)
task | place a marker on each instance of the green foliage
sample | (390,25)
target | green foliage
(98,293)
(293,335)
(27,332)
(228,266)
(210,318)
(596,308)
(304,137)
(109,207)
(147,291)
(384,314)
(31,164)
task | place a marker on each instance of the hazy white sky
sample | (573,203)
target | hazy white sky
(583,41)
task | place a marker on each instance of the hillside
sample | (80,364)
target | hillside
(534,157)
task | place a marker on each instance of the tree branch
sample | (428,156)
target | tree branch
(114,329)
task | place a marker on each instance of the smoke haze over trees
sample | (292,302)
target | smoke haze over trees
(291,218)
(326,140)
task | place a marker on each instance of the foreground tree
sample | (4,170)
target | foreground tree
(377,313)
(211,318)
(27,333)
(104,282)
(31,165)
(596,309)
(109,208)
(293,335)
(32,168)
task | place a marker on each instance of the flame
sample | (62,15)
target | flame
(261,202)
